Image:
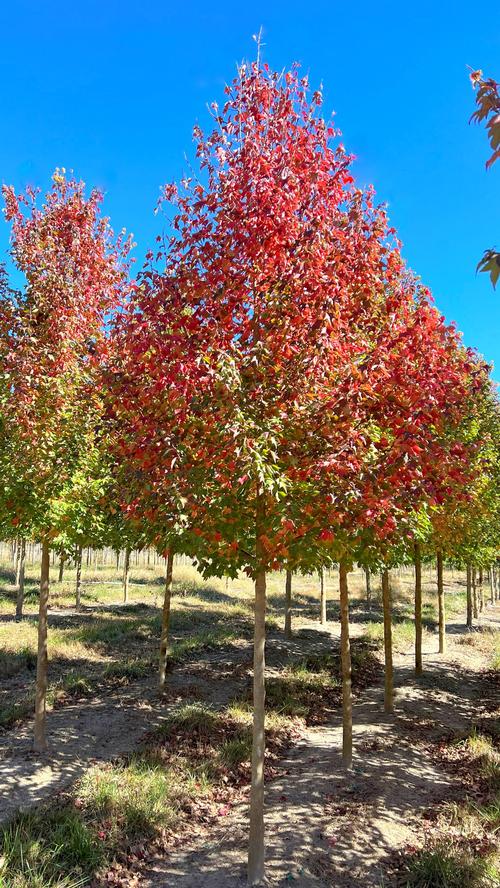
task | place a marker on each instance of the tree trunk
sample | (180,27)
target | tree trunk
(19,544)
(418,609)
(40,739)
(256,839)
(288,604)
(368,588)
(389,677)
(442,619)
(117,559)
(480,579)
(492,585)
(61,569)
(165,620)
(78,576)
(20,584)
(481,594)
(345,650)
(469,597)
(322,596)
(474,594)
(126,575)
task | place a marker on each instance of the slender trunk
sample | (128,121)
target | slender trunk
(288,604)
(40,739)
(469,597)
(20,584)
(492,585)
(322,596)
(481,594)
(165,620)
(117,559)
(389,677)
(256,838)
(126,575)
(368,588)
(78,576)
(345,650)
(442,619)
(418,609)
(61,569)
(19,544)
(480,579)
(474,594)
(88,557)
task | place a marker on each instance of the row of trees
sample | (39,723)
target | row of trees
(275,390)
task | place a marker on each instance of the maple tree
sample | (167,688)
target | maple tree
(240,355)
(278,376)
(76,273)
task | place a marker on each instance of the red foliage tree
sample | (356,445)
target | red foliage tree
(75,276)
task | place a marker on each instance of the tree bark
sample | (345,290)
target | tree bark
(126,575)
(474,594)
(389,676)
(418,609)
(61,569)
(368,588)
(288,604)
(165,620)
(469,597)
(20,584)
(492,585)
(78,577)
(345,650)
(19,544)
(441,616)
(322,596)
(256,839)
(40,738)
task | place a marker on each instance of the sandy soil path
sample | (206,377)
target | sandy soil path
(328,829)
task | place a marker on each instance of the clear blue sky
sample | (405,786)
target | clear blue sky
(111,89)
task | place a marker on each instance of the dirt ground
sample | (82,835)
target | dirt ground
(328,828)
(324,827)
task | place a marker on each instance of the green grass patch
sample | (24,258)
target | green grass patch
(198,755)
(448,865)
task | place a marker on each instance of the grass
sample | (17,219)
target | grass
(199,756)
(463,849)
(442,866)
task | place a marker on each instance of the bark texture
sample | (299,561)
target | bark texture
(322,596)
(288,604)
(441,614)
(165,621)
(418,608)
(469,597)
(345,649)
(256,838)
(126,575)
(40,736)
(389,674)
(20,583)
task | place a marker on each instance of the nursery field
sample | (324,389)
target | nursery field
(142,789)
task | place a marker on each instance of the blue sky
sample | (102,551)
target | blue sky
(112,89)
